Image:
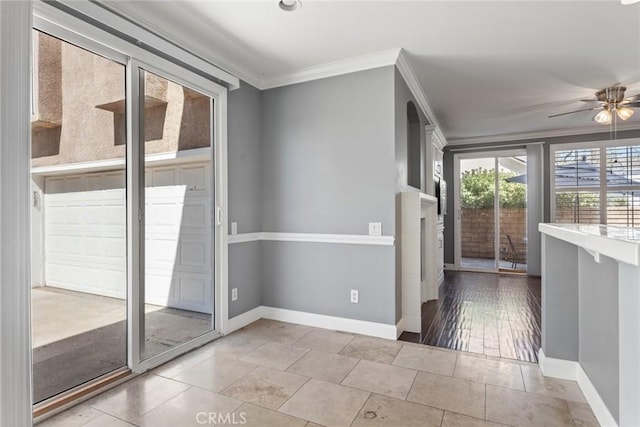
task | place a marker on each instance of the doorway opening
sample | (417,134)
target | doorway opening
(126,181)
(497,315)
(491,222)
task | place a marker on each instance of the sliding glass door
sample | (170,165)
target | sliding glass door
(477,213)
(491,212)
(79,235)
(127,188)
(178,200)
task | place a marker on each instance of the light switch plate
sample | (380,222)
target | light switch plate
(234,294)
(234,228)
(375,229)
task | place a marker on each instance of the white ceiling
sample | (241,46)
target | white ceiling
(486,67)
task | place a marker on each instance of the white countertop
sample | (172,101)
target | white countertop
(619,243)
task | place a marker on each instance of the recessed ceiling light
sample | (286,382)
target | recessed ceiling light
(291,5)
(629,1)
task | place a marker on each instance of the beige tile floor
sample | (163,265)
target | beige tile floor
(281,374)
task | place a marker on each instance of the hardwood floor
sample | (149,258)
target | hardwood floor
(492,314)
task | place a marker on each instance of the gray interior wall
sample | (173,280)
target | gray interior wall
(245,195)
(245,274)
(328,149)
(318,277)
(599,346)
(449,241)
(402,96)
(560,299)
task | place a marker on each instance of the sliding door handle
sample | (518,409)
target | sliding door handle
(218,215)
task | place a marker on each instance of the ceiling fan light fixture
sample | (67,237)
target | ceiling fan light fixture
(624,113)
(290,5)
(603,117)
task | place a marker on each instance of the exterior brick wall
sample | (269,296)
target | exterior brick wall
(478,233)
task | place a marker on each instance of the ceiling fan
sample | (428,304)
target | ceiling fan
(610,100)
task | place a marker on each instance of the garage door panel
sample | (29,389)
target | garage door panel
(94,182)
(85,235)
(114,248)
(94,281)
(114,180)
(93,215)
(195,178)
(159,289)
(194,254)
(195,216)
(163,176)
(113,215)
(193,291)
(93,246)
(73,184)
(55,185)
(164,215)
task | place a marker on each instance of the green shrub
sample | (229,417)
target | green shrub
(478,188)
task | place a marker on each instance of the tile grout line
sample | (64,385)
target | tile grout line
(361,407)
(290,397)
(406,398)
(485,402)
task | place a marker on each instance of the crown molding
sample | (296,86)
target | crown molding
(409,76)
(331,69)
(586,130)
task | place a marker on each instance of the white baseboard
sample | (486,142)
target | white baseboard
(362,327)
(449,267)
(570,370)
(242,320)
(399,328)
(411,324)
(557,368)
(598,407)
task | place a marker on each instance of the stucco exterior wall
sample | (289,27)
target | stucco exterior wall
(80,109)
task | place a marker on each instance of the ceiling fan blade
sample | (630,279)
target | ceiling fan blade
(591,100)
(633,98)
(577,111)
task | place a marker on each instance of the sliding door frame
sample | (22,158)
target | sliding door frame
(73,30)
(219,253)
(496,155)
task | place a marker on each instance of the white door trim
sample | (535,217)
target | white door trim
(15,183)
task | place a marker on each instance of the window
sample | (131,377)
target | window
(597,183)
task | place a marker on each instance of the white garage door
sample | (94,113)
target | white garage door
(85,235)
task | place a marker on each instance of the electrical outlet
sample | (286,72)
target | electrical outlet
(354,296)
(234,294)
(234,228)
(375,229)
